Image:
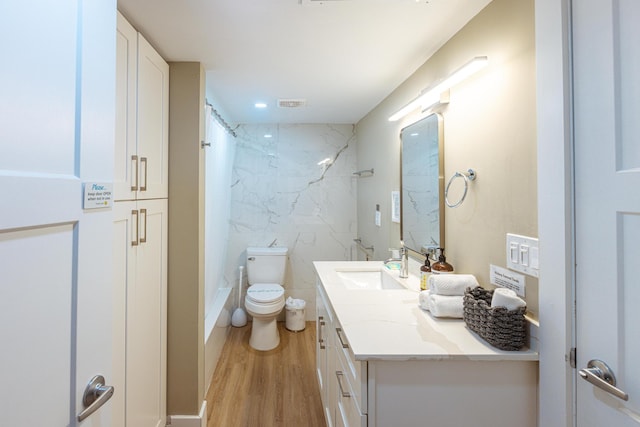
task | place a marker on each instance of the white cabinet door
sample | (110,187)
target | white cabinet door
(126,166)
(326,357)
(147,319)
(140,291)
(142,118)
(56,133)
(348,415)
(152,122)
(123,276)
(321,345)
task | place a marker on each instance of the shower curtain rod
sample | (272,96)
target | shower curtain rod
(220,120)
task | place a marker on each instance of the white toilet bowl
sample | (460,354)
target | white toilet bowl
(264,301)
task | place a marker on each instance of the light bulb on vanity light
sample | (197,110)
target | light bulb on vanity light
(431,96)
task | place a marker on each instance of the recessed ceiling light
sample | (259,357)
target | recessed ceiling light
(260,105)
(268,135)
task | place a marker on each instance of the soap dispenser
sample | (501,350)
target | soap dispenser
(425,272)
(442,266)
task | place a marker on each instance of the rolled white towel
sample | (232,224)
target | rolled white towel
(423,299)
(503,297)
(451,284)
(446,305)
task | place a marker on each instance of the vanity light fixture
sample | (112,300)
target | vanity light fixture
(431,96)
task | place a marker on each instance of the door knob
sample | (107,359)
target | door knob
(600,375)
(95,395)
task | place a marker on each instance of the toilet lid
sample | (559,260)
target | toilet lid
(265,292)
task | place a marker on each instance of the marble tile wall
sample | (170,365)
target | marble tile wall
(297,189)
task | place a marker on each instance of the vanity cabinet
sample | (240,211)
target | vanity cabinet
(325,357)
(351,377)
(142,117)
(340,377)
(382,362)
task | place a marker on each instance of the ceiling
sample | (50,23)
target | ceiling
(343,57)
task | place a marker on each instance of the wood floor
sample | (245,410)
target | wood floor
(253,388)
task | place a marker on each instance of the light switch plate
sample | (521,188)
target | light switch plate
(522,254)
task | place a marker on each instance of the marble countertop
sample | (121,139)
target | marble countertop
(390,325)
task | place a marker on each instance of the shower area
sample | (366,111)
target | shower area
(288,185)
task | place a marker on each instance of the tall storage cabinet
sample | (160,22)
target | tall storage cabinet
(140,232)
(142,116)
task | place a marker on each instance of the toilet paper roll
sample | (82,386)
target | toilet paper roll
(503,297)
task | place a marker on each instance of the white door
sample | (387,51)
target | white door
(56,133)
(607,179)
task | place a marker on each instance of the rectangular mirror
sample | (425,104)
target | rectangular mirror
(422,185)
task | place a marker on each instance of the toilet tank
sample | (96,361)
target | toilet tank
(266,265)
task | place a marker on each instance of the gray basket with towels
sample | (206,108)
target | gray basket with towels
(502,328)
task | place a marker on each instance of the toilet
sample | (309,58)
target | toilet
(265,294)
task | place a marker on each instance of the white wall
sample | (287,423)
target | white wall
(280,193)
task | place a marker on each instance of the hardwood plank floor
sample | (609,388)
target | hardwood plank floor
(253,388)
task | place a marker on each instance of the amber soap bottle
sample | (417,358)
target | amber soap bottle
(442,266)
(425,272)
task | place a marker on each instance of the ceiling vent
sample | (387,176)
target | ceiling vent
(292,102)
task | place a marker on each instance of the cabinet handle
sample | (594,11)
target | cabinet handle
(143,214)
(320,339)
(134,161)
(339,375)
(338,330)
(134,213)
(144,160)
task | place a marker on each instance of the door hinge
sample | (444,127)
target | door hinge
(572,357)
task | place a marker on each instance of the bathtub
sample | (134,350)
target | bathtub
(216,329)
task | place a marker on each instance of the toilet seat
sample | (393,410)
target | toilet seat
(265,293)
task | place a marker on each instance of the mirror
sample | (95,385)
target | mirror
(422,185)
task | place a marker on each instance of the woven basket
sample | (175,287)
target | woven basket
(502,328)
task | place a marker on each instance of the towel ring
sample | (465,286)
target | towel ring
(469,176)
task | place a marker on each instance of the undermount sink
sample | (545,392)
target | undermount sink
(368,279)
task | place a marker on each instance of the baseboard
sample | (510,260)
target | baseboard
(199,420)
